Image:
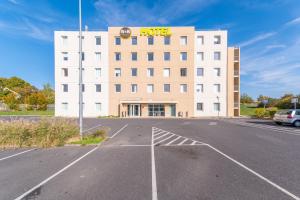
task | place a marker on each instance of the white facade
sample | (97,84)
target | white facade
(95,65)
(207,44)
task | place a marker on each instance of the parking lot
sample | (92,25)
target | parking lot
(162,159)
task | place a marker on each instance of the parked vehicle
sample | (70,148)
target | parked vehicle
(290,116)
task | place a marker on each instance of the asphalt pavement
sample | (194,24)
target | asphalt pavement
(162,159)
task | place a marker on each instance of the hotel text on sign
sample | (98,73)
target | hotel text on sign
(155,31)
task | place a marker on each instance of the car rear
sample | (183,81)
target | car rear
(284,116)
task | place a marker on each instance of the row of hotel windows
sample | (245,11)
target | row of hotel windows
(150,56)
(150,40)
(150,72)
(98,106)
(150,88)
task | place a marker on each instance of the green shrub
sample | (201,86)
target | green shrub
(99,133)
(272,111)
(260,112)
(47,132)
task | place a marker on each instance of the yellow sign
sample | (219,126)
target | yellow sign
(155,31)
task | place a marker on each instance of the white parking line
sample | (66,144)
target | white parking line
(255,173)
(183,141)
(159,133)
(168,133)
(164,139)
(16,154)
(116,133)
(173,140)
(153,170)
(56,174)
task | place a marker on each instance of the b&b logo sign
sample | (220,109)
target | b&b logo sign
(125,32)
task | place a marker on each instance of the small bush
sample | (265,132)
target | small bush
(272,111)
(260,112)
(47,132)
(99,133)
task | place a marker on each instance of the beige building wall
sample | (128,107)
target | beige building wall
(184,101)
(233,82)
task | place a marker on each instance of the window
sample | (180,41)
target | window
(98,40)
(183,71)
(200,56)
(217,71)
(183,40)
(134,56)
(150,40)
(133,88)
(65,56)
(217,107)
(183,56)
(98,72)
(98,56)
(150,88)
(65,72)
(183,88)
(83,87)
(200,71)
(98,107)
(200,40)
(133,71)
(118,87)
(167,87)
(134,40)
(217,55)
(217,39)
(98,87)
(64,106)
(117,72)
(199,88)
(167,56)
(150,72)
(166,72)
(118,56)
(199,106)
(64,40)
(167,40)
(82,56)
(65,87)
(150,56)
(117,40)
(217,88)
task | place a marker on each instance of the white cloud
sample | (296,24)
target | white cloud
(293,22)
(257,39)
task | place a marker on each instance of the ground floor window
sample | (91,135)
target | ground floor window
(156,110)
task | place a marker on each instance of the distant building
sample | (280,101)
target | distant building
(148,72)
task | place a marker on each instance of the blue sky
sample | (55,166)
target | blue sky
(267,32)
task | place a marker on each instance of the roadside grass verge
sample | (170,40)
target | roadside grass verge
(91,139)
(29,112)
(248,110)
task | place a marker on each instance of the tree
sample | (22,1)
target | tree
(36,101)
(48,93)
(245,98)
(11,101)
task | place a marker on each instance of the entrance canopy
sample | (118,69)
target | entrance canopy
(148,102)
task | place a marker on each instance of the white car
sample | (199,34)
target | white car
(291,116)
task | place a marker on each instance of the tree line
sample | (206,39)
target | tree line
(15,91)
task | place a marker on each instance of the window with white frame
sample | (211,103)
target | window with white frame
(117,72)
(183,56)
(217,39)
(150,56)
(200,40)
(98,87)
(65,72)
(118,88)
(150,88)
(217,88)
(167,87)
(64,40)
(150,72)
(217,55)
(167,56)
(183,88)
(167,40)
(199,106)
(117,41)
(134,40)
(134,56)
(98,56)
(64,106)
(183,40)
(65,87)
(217,107)
(150,40)
(65,56)
(200,71)
(98,40)
(98,106)
(133,71)
(117,56)
(183,71)
(98,72)
(200,56)
(199,88)
(166,72)
(134,88)
(217,71)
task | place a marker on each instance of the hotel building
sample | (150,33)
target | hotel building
(147,72)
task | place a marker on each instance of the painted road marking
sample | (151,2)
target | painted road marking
(116,133)
(168,133)
(173,140)
(153,170)
(181,143)
(164,139)
(56,174)
(16,154)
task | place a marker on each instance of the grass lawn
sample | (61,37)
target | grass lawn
(89,140)
(247,110)
(32,112)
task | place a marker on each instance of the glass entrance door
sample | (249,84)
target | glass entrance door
(134,110)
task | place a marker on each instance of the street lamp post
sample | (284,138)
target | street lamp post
(80,74)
